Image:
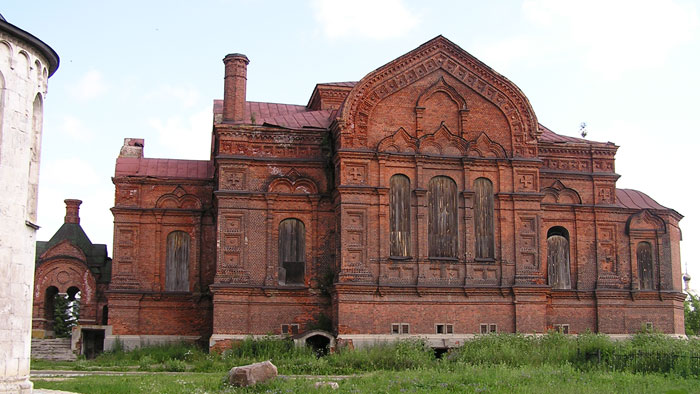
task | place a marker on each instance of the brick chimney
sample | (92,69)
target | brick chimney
(72,209)
(133,147)
(235,78)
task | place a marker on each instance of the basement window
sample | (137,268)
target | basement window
(487,328)
(649,326)
(399,328)
(444,328)
(290,329)
(561,328)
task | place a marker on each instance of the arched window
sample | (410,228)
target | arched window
(442,217)
(50,306)
(292,252)
(399,215)
(177,262)
(35,150)
(645,265)
(483,218)
(558,267)
(2,97)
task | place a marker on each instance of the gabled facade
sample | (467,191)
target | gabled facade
(68,264)
(424,199)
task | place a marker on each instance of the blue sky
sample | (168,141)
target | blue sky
(150,69)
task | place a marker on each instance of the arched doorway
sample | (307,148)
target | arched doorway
(49,309)
(319,343)
(322,342)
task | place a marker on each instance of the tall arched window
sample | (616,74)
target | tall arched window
(483,218)
(292,252)
(558,266)
(399,215)
(442,217)
(645,265)
(177,262)
(35,150)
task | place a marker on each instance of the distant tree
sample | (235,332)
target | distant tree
(66,313)
(692,314)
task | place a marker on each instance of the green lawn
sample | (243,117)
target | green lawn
(503,363)
(457,377)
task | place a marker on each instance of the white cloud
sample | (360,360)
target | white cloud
(612,37)
(90,86)
(186,97)
(364,18)
(74,128)
(185,137)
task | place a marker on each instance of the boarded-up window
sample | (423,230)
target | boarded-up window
(483,218)
(442,217)
(177,262)
(399,215)
(645,266)
(291,252)
(558,267)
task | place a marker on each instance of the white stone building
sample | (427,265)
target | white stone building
(26,63)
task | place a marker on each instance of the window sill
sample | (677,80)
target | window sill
(445,259)
(485,260)
(400,258)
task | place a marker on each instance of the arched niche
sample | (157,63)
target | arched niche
(560,194)
(558,258)
(442,142)
(179,199)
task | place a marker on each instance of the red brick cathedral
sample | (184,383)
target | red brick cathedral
(423,200)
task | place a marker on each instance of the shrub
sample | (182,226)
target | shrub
(174,365)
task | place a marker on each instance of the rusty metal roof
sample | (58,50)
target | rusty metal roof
(164,168)
(289,116)
(552,137)
(634,199)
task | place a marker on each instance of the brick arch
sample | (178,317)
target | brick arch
(444,141)
(645,221)
(63,273)
(439,54)
(484,147)
(399,142)
(179,199)
(558,193)
(292,184)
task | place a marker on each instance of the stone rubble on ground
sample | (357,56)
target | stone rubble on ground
(248,375)
(332,385)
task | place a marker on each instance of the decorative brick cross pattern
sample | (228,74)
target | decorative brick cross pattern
(234,180)
(527,181)
(356,174)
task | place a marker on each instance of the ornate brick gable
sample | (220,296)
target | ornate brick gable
(439,54)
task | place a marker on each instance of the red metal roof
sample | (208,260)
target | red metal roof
(634,199)
(552,137)
(284,115)
(164,168)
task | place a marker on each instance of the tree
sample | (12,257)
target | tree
(692,314)
(66,312)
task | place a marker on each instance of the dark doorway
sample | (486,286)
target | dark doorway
(319,344)
(105,315)
(49,306)
(440,351)
(93,342)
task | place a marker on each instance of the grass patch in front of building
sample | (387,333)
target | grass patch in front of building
(446,378)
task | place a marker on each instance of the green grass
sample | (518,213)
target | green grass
(493,363)
(445,378)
